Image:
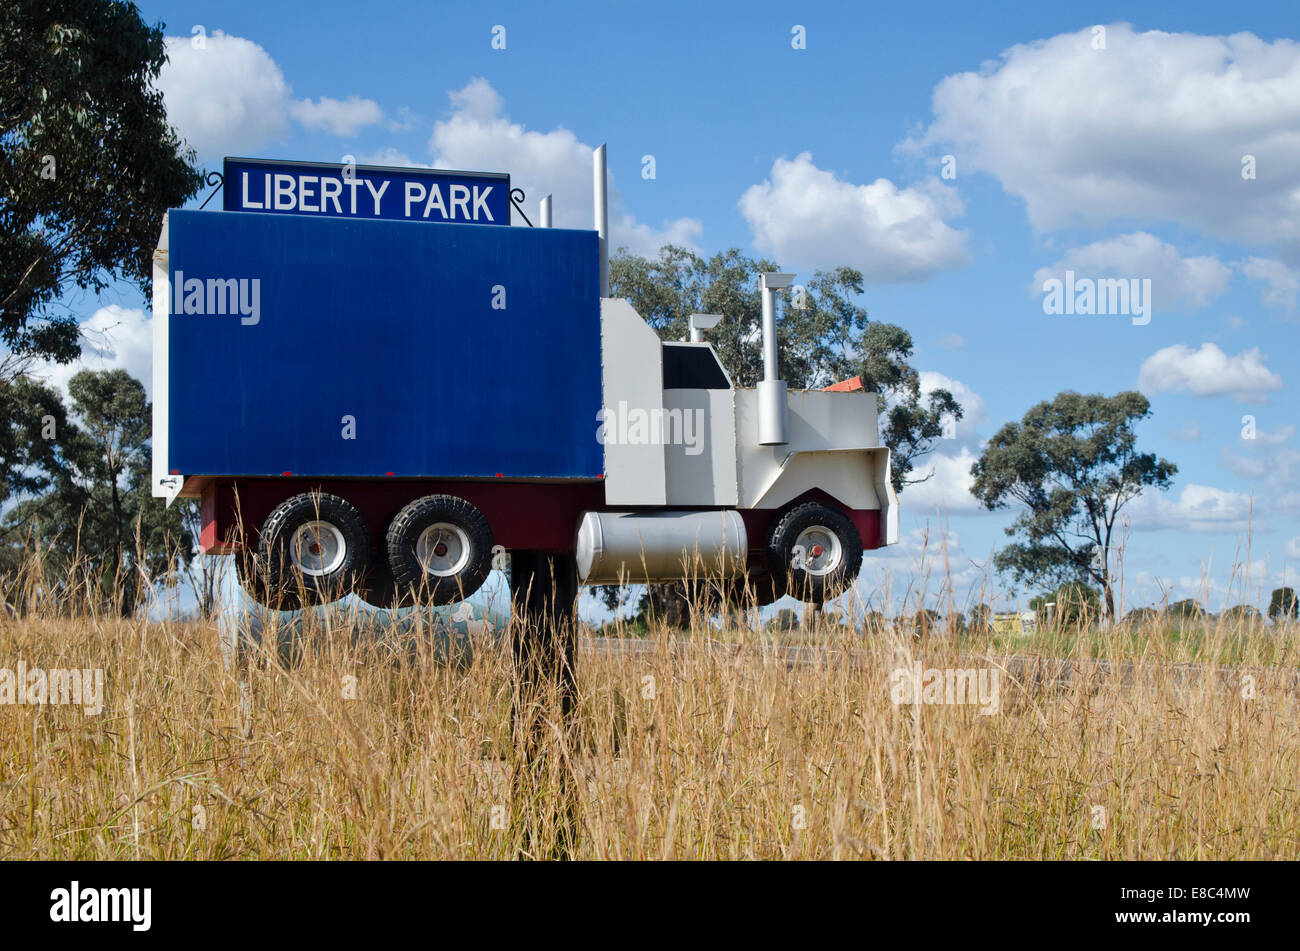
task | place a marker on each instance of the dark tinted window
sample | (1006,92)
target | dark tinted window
(692,368)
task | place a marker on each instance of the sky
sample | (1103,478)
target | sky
(960,156)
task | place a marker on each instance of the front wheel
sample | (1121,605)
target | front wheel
(818,549)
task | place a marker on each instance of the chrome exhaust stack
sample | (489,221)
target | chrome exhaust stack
(773,407)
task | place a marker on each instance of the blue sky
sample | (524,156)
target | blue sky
(1112,153)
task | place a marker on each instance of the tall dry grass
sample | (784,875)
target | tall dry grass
(708,744)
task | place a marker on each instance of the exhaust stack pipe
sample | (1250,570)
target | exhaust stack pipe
(700,323)
(545,221)
(772,404)
(600,188)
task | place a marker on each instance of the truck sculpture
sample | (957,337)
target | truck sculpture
(373,384)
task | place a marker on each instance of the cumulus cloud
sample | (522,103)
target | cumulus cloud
(805,216)
(1208,372)
(478,135)
(971,402)
(342,117)
(1276,438)
(1175,280)
(1155,126)
(112,338)
(946,470)
(949,487)
(1282,283)
(1198,508)
(1190,431)
(227,98)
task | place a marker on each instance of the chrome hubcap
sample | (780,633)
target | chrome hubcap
(442,549)
(820,548)
(317,548)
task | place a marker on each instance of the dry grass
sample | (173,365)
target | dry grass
(678,751)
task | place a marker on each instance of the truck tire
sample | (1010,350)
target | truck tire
(817,549)
(439,550)
(314,545)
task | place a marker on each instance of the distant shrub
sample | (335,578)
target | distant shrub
(1141,617)
(1075,603)
(1242,612)
(1282,605)
(1186,610)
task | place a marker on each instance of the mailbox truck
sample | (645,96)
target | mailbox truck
(373,383)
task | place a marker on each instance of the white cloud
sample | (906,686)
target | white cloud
(805,216)
(228,98)
(1154,126)
(1283,282)
(1190,431)
(342,117)
(971,402)
(112,338)
(952,342)
(393,157)
(1198,508)
(1209,372)
(1276,438)
(1175,280)
(478,135)
(947,489)
(1293,547)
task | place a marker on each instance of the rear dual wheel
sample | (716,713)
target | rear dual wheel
(439,550)
(313,549)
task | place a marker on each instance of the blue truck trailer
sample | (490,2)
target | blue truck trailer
(374,395)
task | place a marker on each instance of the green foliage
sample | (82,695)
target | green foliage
(88,163)
(1282,605)
(96,514)
(784,620)
(1074,603)
(1141,617)
(924,622)
(31,418)
(1188,609)
(981,618)
(1072,464)
(1246,613)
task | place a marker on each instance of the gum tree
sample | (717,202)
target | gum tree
(1071,464)
(97,514)
(88,163)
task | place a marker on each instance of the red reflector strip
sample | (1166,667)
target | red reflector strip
(286,473)
(388,473)
(500,476)
(176,472)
